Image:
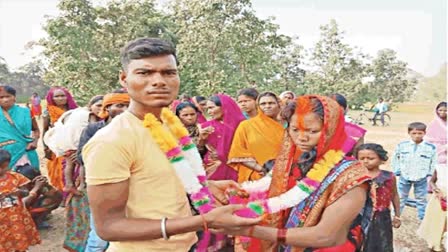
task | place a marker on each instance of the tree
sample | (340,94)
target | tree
(390,77)
(335,66)
(223,46)
(84,41)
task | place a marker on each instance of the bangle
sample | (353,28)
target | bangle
(163,228)
(281,235)
(204,223)
(33,194)
(396,217)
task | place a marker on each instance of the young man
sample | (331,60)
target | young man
(113,105)
(380,109)
(414,160)
(135,195)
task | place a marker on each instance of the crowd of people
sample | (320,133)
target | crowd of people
(138,169)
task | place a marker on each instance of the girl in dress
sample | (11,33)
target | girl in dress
(379,236)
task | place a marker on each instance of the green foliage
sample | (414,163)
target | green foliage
(433,88)
(222,47)
(84,42)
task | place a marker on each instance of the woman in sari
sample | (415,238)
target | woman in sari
(436,133)
(36,108)
(59,100)
(257,140)
(19,132)
(188,115)
(217,135)
(322,203)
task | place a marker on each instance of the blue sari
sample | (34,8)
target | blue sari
(15,136)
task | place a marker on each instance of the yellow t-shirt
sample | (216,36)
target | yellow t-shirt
(125,150)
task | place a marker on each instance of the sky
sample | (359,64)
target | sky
(415,29)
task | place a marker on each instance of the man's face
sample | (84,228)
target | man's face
(269,106)
(246,103)
(116,109)
(152,82)
(417,135)
(7,100)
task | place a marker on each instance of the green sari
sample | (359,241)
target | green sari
(15,135)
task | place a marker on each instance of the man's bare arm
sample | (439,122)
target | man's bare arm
(108,204)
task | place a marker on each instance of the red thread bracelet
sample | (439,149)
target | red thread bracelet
(204,223)
(281,235)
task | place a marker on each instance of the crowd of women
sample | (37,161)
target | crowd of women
(254,137)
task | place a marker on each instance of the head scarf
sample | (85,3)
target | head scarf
(71,103)
(436,133)
(221,138)
(54,111)
(332,138)
(282,95)
(113,98)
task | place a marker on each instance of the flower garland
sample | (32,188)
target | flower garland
(183,155)
(304,188)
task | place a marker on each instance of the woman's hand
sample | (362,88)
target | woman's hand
(219,188)
(31,146)
(39,182)
(396,222)
(205,132)
(222,218)
(48,153)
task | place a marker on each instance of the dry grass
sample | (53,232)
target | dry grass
(405,238)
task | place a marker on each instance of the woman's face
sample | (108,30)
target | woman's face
(59,97)
(188,116)
(269,106)
(246,103)
(214,111)
(203,105)
(441,112)
(306,136)
(96,107)
(7,100)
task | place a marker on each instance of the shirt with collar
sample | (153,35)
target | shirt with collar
(414,161)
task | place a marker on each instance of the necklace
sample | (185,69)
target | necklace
(173,139)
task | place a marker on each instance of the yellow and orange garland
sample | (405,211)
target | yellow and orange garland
(182,153)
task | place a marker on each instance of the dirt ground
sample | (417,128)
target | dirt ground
(405,238)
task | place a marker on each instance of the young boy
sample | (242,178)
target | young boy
(414,160)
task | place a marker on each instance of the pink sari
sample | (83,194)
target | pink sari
(436,134)
(219,142)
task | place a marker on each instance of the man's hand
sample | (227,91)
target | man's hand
(222,218)
(219,188)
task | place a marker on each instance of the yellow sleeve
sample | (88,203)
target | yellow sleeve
(106,162)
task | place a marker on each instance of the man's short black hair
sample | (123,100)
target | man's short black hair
(417,126)
(145,47)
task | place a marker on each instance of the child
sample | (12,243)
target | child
(48,197)
(379,236)
(18,230)
(414,160)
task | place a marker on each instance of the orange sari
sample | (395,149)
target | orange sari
(18,230)
(54,166)
(255,140)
